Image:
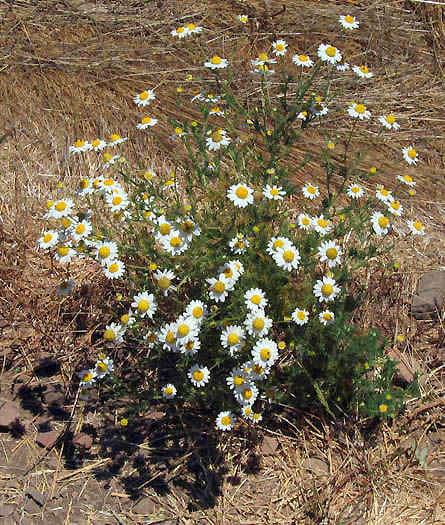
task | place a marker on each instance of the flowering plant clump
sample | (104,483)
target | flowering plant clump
(229,297)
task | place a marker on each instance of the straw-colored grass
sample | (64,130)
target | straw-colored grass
(70,70)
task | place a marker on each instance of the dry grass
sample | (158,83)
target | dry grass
(70,69)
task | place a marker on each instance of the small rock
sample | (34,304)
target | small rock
(31,507)
(6,510)
(83,440)
(3,323)
(407,367)
(145,506)
(316,466)
(47,439)
(269,446)
(430,297)
(9,414)
(35,495)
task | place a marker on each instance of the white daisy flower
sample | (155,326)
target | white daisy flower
(145,304)
(231,272)
(262,60)
(49,239)
(327,317)
(257,372)
(104,367)
(110,159)
(164,281)
(164,227)
(330,252)
(380,223)
(257,323)
(300,316)
(147,122)
(287,258)
(239,266)
(416,227)
(203,96)
(80,146)
(193,29)
(186,330)
(216,111)
(410,155)
(65,287)
(237,378)
(384,195)
(342,66)
(321,225)
(197,310)
(81,229)
(349,22)
(167,336)
(278,243)
(355,191)
(239,245)
(117,201)
(191,347)
(275,193)
(246,411)
(168,391)
(265,352)
(246,394)
(116,139)
(310,191)
(199,375)
(362,71)
(326,289)
(114,333)
(98,144)
(263,70)
(188,228)
(151,338)
(406,179)
(395,207)
(86,187)
(232,338)
(144,98)
(64,254)
(256,417)
(106,251)
(389,121)
(255,299)
(109,185)
(329,53)
(279,48)
(217,139)
(359,111)
(216,62)
(114,269)
(243,19)
(174,243)
(241,195)
(87,378)
(219,288)
(302,61)
(128,319)
(304,221)
(60,208)
(225,420)
(180,32)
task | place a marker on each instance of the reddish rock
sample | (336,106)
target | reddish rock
(47,439)
(269,446)
(83,440)
(9,414)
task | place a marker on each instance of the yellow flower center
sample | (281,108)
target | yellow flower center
(170,337)
(180,30)
(247,393)
(226,421)
(383,408)
(327,316)
(108,182)
(412,153)
(312,190)
(143,305)
(125,318)
(228,273)
(114,137)
(288,256)
(165,228)
(146,120)
(191,27)
(79,143)
(63,250)
(407,178)
(219,287)
(305,221)
(190,345)
(395,205)
(60,206)
(151,338)
(47,237)
(238,380)
(417,225)
(349,19)
(87,377)
(390,119)
(383,222)
(241,192)
(104,252)
(215,60)
(258,323)
(364,69)
(95,143)
(175,242)
(168,391)
(66,223)
(107,157)
(274,192)
(188,226)
(84,183)
(301,316)
(355,189)
(164,283)
(265,354)
(331,51)
(110,335)
(80,228)
(113,268)
(179,131)
(263,57)
(144,95)
(384,192)
(102,367)
(360,108)
(278,244)
(198,375)
(280,47)
(255,299)
(257,369)
(322,223)
(183,330)
(49,204)
(331,253)
(327,289)
(197,312)
(303,58)
(117,200)
(233,339)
